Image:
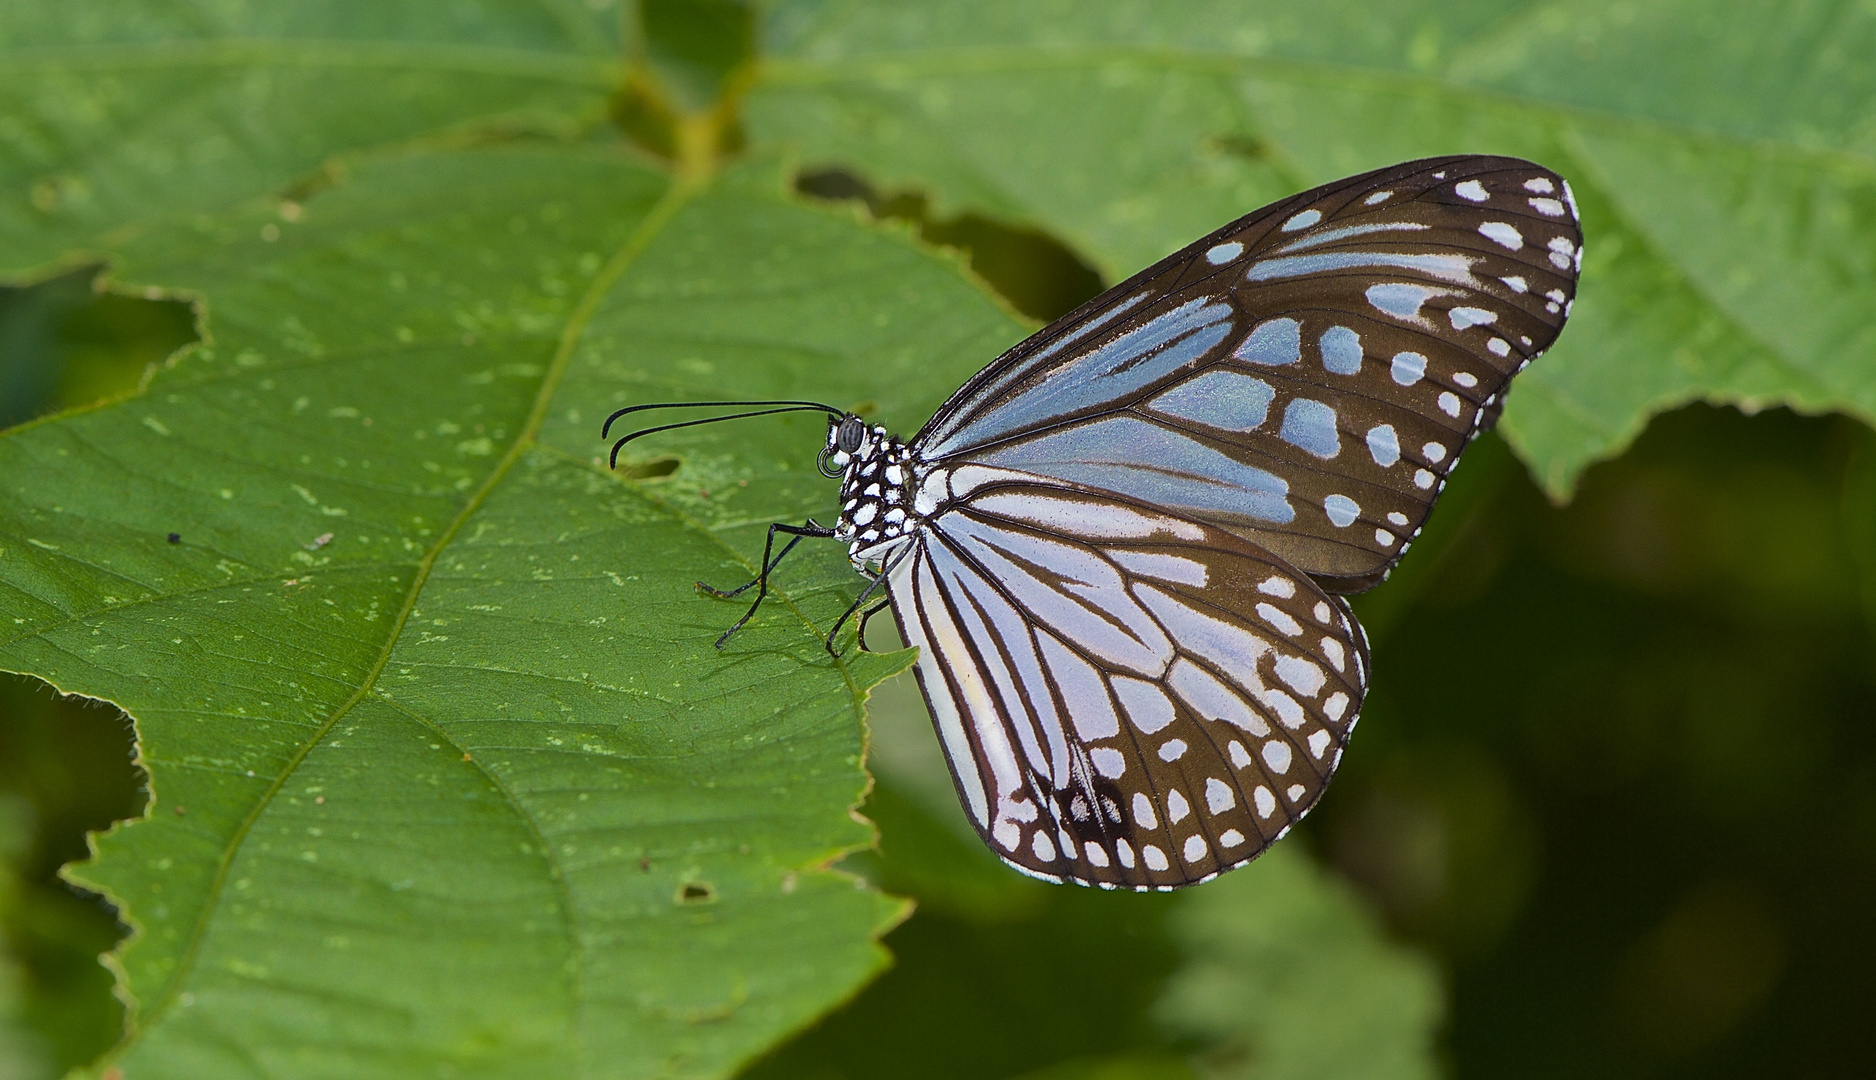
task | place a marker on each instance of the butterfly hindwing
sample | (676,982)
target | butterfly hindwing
(1126,697)
(1305,377)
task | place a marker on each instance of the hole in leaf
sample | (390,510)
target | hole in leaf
(1034,272)
(68,766)
(650,470)
(64,343)
(696,892)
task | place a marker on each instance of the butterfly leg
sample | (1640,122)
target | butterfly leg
(867,614)
(761,581)
(871,587)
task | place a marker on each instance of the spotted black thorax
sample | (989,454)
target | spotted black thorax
(877,476)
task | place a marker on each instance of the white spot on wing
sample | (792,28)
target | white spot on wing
(1280,619)
(1176,807)
(1224,253)
(1301,675)
(1108,761)
(1143,814)
(1277,585)
(1377,198)
(1285,706)
(1547,207)
(1342,510)
(1155,858)
(1218,796)
(1195,846)
(1302,221)
(1240,757)
(1334,705)
(1463,317)
(1231,838)
(1097,855)
(1318,742)
(1383,445)
(1043,846)
(1266,802)
(1172,750)
(1277,756)
(1539,184)
(1409,368)
(1401,299)
(1449,403)
(1470,190)
(1502,233)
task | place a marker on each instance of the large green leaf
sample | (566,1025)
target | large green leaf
(446,775)
(1724,153)
(116,115)
(445,768)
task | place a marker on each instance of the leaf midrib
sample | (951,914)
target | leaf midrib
(675,197)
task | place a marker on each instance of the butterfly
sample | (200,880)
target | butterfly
(1122,548)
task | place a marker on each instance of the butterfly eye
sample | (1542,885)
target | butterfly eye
(851,432)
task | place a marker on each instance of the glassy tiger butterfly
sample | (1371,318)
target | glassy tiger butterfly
(1122,547)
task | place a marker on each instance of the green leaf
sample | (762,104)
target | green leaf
(446,771)
(1723,153)
(122,114)
(1286,976)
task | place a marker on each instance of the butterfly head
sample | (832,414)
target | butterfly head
(846,436)
(874,469)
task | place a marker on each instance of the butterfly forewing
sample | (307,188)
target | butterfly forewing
(1304,378)
(1126,697)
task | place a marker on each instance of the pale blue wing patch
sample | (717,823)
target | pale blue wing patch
(1274,343)
(1310,426)
(1150,352)
(1222,399)
(1341,350)
(1142,460)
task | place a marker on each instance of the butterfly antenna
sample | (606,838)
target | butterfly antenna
(613,461)
(629,409)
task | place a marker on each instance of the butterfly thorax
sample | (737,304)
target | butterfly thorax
(877,481)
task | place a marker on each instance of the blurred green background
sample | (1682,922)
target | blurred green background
(1617,775)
